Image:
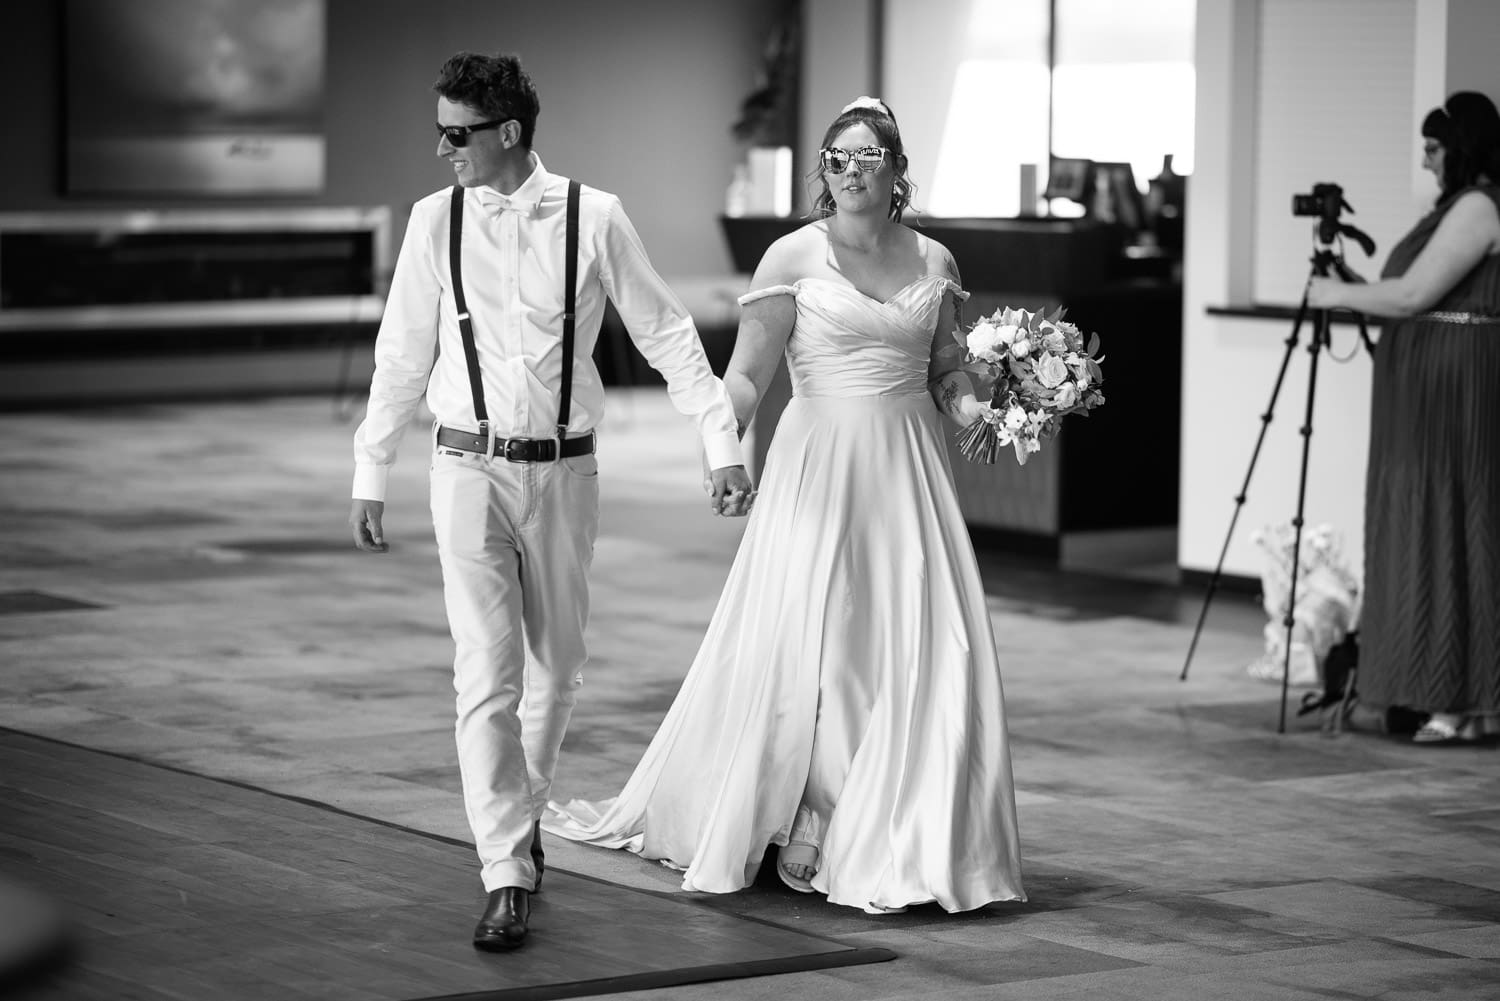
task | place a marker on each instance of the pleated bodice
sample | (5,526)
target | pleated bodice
(848,344)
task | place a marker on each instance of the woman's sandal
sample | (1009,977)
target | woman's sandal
(1440,731)
(798,853)
(874,908)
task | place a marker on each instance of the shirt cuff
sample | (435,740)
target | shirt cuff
(369,481)
(723,449)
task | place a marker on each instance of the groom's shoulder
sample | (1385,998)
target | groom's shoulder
(432,204)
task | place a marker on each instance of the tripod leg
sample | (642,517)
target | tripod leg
(1239,498)
(1320,334)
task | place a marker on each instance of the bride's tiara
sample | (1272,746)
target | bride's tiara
(873,103)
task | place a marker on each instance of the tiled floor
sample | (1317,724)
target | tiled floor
(175,585)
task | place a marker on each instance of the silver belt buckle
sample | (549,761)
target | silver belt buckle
(515,457)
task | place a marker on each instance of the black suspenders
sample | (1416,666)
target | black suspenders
(455,270)
(466,327)
(570,297)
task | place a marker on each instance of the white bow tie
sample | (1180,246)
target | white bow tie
(496,203)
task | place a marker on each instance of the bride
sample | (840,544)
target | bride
(846,703)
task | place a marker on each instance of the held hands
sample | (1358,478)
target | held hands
(729,491)
(364,522)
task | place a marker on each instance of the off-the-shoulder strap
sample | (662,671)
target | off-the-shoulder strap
(949,285)
(766,293)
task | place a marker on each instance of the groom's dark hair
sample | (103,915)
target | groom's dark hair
(495,86)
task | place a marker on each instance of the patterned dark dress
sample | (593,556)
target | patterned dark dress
(1430,629)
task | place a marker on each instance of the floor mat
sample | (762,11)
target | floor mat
(174,885)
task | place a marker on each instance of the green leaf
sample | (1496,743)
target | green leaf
(1093,344)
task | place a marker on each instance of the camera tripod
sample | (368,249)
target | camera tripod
(1325,260)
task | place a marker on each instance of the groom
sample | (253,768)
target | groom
(480,319)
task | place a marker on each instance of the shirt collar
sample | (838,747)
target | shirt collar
(526,198)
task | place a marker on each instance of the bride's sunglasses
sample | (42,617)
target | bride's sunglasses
(866,158)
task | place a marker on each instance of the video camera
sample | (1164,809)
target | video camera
(1326,202)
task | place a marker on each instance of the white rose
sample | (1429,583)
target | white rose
(1067,395)
(982,341)
(1050,371)
(1021,348)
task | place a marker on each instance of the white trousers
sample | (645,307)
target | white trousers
(516,541)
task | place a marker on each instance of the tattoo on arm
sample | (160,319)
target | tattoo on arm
(950,396)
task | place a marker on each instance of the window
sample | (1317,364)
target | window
(1123,85)
(1121,91)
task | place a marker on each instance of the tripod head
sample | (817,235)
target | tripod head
(1326,202)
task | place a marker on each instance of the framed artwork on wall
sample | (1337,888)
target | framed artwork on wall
(193,97)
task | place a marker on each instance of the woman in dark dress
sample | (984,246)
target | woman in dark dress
(1430,628)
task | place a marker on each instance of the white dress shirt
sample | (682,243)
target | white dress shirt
(512,270)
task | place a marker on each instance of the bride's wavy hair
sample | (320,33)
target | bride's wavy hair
(882,122)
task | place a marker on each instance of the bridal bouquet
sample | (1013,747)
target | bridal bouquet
(1034,369)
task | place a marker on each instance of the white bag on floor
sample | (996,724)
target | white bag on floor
(1327,602)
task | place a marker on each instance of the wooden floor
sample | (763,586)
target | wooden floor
(176,592)
(178,886)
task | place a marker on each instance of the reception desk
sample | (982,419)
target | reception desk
(1112,474)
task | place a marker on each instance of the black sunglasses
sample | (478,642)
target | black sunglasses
(866,158)
(458,135)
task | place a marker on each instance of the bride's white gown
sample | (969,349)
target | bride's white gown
(850,666)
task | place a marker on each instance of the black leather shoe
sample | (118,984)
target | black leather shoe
(503,925)
(538,857)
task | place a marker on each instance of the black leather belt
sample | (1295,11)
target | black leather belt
(517,449)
